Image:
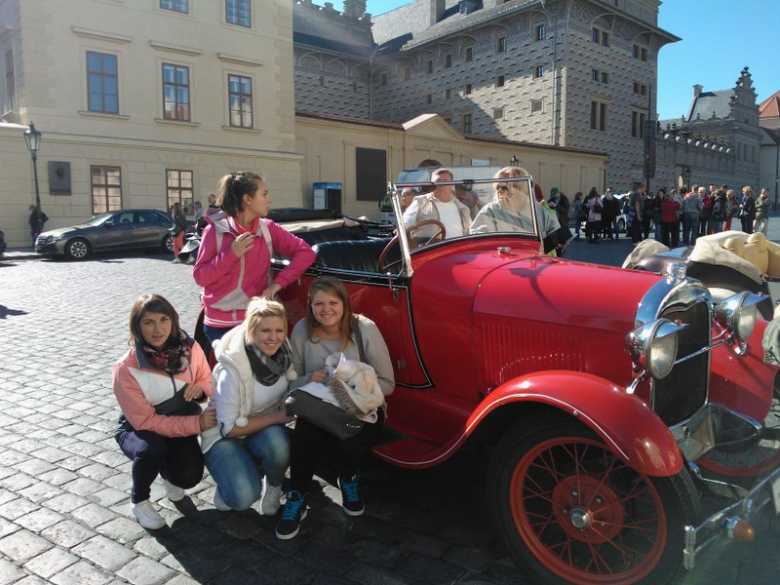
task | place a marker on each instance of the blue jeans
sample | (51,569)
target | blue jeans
(690,228)
(233,463)
(214,333)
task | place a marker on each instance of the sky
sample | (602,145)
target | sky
(719,38)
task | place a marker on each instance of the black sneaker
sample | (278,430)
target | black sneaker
(352,501)
(292,515)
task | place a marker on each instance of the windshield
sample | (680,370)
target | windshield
(467,201)
(98,219)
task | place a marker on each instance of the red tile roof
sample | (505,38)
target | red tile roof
(770,107)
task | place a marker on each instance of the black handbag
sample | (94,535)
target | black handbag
(328,417)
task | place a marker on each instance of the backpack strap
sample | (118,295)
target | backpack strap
(359,340)
(263,227)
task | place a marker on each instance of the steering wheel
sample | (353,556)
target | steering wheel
(439,235)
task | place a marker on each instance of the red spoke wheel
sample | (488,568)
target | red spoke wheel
(754,458)
(572,511)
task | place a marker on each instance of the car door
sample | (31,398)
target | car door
(116,232)
(148,230)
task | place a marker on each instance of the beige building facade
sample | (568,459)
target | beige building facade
(142,103)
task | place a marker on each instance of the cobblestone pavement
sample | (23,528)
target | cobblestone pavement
(64,485)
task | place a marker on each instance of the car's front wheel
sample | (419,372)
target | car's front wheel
(167,243)
(77,249)
(572,512)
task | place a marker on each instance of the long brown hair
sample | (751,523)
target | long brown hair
(152,303)
(335,288)
(232,189)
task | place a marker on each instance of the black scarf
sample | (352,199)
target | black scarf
(268,370)
(174,358)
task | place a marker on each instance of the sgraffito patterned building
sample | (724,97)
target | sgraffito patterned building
(573,73)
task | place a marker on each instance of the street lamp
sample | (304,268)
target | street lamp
(33,139)
(687,174)
(513,161)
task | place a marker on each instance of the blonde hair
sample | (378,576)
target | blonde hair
(258,310)
(509,172)
(747,190)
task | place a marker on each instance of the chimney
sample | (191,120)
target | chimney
(354,8)
(697,90)
(437,10)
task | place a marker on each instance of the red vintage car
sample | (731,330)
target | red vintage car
(600,389)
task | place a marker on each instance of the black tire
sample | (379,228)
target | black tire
(621,226)
(77,249)
(571,511)
(167,243)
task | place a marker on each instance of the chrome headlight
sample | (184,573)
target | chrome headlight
(653,347)
(738,314)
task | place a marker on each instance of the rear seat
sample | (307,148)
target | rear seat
(357,255)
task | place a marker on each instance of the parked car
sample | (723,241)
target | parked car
(595,406)
(114,231)
(3,245)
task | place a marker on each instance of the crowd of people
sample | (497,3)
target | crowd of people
(178,417)
(670,216)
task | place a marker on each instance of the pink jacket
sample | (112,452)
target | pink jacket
(230,282)
(138,389)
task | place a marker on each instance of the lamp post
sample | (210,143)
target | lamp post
(513,161)
(687,174)
(33,139)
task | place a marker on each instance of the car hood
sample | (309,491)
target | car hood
(63,230)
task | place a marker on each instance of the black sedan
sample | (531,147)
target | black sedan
(114,231)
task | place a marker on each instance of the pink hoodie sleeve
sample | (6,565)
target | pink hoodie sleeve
(210,267)
(141,414)
(299,252)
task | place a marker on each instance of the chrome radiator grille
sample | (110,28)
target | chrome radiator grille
(684,391)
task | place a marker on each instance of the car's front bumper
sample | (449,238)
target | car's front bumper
(733,522)
(49,247)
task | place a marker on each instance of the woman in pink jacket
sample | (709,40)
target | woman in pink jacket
(159,384)
(234,258)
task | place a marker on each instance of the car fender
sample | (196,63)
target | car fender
(626,424)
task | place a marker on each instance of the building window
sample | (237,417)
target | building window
(354,87)
(501,47)
(465,123)
(447,61)
(600,37)
(536,106)
(106,189)
(238,12)
(428,98)
(102,83)
(383,79)
(176,92)
(447,93)
(240,101)
(430,66)
(604,77)
(638,124)
(538,71)
(175,5)
(371,172)
(598,116)
(407,73)
(467,89)
(500,81)
(10,86)
(640,53)
(640,88)
(469,54)
(498,113)
(540,32)
(179,184)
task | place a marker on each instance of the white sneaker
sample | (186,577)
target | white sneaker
(270,502)
(191,259)
(174,492)
(147,516)
(176,261)
(219,503)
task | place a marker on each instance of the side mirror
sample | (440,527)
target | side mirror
(109,223)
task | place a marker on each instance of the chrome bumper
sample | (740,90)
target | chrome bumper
(724,522)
